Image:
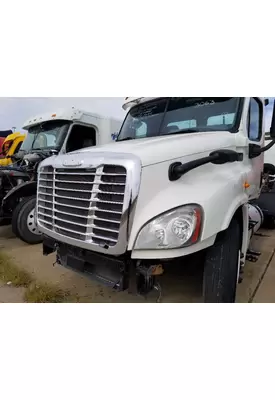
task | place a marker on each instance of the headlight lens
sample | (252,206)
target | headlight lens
(176,228)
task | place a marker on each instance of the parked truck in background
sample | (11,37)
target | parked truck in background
(47,135)
(3,135)
(11,146)
(179,183)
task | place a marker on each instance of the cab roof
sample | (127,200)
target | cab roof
(69,114)
(132,101)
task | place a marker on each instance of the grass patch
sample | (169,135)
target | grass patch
(9,272)
(45,293)
(35,292)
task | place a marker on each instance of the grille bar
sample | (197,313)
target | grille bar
(91,234)
(81,198)
(80,208)
(87,173)
(78,190)
(82,216)
(45,222)
(83,225)
(81,182)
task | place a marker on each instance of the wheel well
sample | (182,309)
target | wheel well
(26,190)
(24,194)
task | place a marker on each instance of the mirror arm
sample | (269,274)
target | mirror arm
(177,169)
(267,147)
(255,150)
(222,156)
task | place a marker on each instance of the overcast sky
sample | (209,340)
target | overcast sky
(14,111)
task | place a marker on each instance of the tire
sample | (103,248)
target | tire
(15,215)
(269,169)
(22,219)
(269,222)
(222,265)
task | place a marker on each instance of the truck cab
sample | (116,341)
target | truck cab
(48,134)
(179,181)
(68,130)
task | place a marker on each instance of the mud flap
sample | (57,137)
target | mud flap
(49,246)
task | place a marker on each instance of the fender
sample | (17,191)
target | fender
(242,211)
(23,190)
(270,167)
(239,202)
(219,198)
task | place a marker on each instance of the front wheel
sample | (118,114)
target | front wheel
(23,222)
(222,266)
(268,178)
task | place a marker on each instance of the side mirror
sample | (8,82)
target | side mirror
(254,149)
(272,128)
(266,102)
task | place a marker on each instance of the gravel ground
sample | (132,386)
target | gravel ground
(179,285)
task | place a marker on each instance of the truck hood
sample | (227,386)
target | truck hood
(163,148)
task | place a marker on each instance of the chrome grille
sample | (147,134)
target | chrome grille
(84,204)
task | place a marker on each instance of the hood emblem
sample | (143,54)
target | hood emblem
(72,163)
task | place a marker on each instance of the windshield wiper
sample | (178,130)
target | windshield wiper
(191,130)
(37,149)
(126,138)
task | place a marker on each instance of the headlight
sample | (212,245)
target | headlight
(176,228)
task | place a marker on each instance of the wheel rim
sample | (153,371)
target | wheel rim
(31,223)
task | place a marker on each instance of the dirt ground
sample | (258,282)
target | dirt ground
(180,285)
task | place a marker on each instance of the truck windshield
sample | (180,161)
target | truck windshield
(48,135)
(173,115)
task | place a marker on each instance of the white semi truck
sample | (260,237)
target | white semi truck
(48,134)
(69,129)
(180,182)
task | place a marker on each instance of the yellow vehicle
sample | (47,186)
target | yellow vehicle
(11,145)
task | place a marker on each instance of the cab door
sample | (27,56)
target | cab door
(256,136)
